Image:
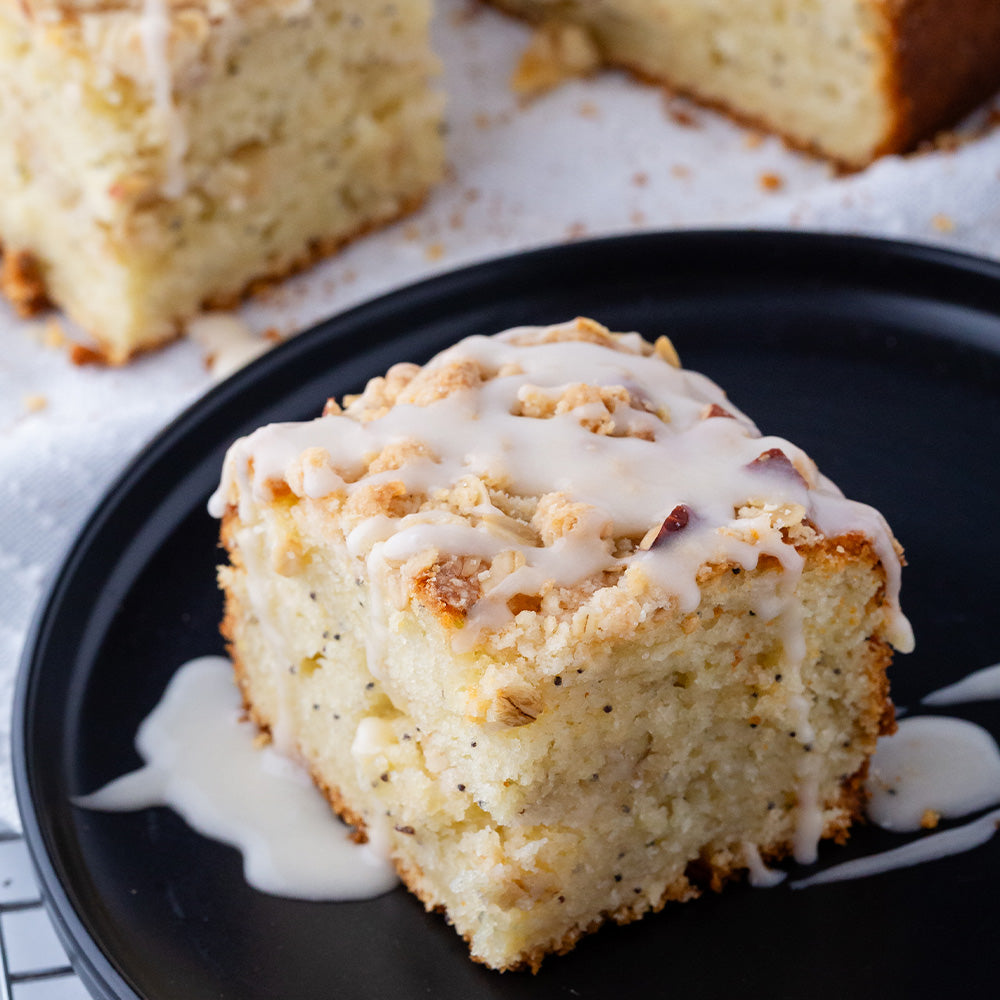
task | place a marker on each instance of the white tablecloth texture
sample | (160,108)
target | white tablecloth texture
(600,156)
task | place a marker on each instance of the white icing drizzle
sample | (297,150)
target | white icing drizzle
(784,616)
(932,847)
(761,877)
(372,737)
(980,685)
(931,767)
(808,813)
(154,30)
(202,762)
(949,767)
(631,484)
(790,626)
(838,519)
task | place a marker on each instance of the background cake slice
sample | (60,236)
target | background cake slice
(851,80)
(157,155)
(554,625)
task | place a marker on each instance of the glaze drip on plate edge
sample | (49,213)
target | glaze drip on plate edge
(204,761)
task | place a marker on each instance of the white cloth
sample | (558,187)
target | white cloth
(595,157)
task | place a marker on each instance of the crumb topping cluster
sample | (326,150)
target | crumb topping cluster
(561,471)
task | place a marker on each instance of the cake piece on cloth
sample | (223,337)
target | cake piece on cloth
(161,155)
(850,79)
(550,621)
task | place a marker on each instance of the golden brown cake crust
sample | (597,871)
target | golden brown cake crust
(22,282)
(947,60)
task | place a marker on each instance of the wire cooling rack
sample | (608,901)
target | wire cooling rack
(33,961)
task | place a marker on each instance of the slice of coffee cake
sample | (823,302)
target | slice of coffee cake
(553,623)
(850,79)
(157,156)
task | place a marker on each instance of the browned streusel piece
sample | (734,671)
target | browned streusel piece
(584,331)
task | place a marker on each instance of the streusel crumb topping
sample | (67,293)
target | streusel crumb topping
(565,472)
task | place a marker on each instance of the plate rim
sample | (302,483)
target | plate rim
(95,968)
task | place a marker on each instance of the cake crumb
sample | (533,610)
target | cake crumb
(81,354)
(53,335)
(35,403)
(679,114)
(680,171)
(589,110)
(640,178)
(943,223)
(948,141)
(753,140)
(434,251)
(930,819)
(771,181)
(466,14)
(556,52)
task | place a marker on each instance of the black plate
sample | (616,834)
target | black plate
(883,360)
